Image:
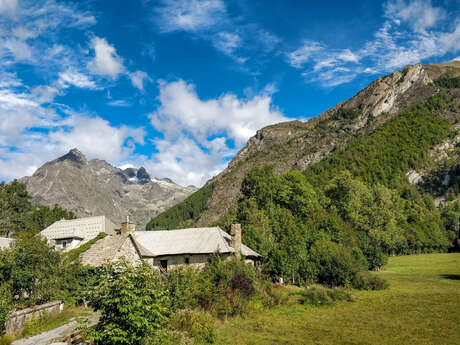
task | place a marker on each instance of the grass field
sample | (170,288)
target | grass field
(422,306)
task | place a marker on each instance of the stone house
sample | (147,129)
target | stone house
(168,249)
(65,234)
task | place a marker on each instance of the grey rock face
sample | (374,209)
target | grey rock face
(94,187)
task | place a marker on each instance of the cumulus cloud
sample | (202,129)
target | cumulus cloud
(106,61)
(198,134)
(97,138)
(33,129)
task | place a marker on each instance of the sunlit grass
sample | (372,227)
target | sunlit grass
(422,306)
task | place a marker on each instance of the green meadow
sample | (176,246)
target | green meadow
(421,306)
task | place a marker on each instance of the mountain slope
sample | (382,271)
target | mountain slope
(296,145)
(95,187)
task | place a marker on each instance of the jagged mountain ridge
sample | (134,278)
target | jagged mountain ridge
(94,187)
(296,145)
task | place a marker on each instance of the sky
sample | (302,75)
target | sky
(180,86)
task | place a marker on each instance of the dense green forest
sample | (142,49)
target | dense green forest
(184,213)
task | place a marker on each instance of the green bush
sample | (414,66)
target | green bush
(320,295)
(5,305)
(368,281)
(132,304)
(334,264)
(198,324)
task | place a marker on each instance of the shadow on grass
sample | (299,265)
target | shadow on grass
(451,276)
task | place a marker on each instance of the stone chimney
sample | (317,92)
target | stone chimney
(127,227)
(235,242)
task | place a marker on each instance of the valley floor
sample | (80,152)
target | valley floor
(422,306)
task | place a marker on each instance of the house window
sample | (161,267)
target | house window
(164,266)
(187,260)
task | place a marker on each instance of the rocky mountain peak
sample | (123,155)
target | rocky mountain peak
(95,187)
(143,176)
(74,156)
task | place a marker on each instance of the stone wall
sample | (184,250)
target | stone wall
(17,319)
(175,261)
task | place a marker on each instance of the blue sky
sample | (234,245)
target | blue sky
(180,86)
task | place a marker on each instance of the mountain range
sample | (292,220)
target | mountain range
(94,187)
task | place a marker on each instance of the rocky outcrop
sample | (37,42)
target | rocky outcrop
(94,187)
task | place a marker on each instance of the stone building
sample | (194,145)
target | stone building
(167,249)
(65,234)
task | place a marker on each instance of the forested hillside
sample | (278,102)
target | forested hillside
(356,206)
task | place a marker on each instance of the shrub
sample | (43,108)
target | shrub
(199,325)
(5,305)
(367,281)
(347,114)
(132,304)
(334,263)
(243,284)
(320,295)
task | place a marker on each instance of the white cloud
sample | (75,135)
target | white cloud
(106,61)
(456,59)
(227,42)
(420,14)
(410,34)
(209,20)
(9,8)
(190,15)
(73,78)
(300,56)
(19,49)
(450,41)
(137,79)
(119,103)
(33,130)
(195,131)
(97,138)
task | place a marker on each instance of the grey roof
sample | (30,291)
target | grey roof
(104,249)
(83,228)
(186,241)
(5,242)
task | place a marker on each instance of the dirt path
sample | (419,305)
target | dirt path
(47,337)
